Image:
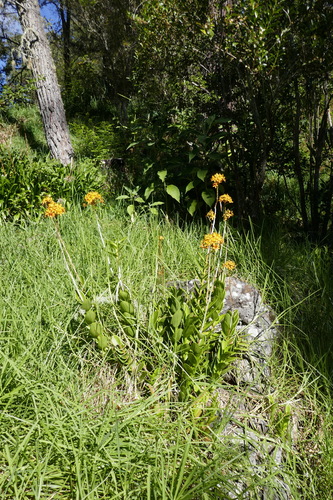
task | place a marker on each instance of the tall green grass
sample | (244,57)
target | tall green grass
(74,425)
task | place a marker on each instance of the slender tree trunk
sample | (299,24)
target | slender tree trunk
(297,160)
(37,50)
(65,16)
(319,143)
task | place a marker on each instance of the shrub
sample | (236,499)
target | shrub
(24,181)
(93,140)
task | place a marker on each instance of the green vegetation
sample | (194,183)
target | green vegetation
(78,423)
(112,379)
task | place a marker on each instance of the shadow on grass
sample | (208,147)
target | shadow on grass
(307,269)
(29,127)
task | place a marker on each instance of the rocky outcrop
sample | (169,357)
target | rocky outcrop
(245,395)
(245,398)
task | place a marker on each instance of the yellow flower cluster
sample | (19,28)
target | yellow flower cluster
(213,240)
(227,214)
(54,209)
(217,179)
(92,198)
(211,215)
(230,265)
(225,198)
(46,201)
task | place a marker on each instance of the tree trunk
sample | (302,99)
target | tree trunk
(37,50)
(65,16)
(297,157)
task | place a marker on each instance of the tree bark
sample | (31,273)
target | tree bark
(37,51)
(65,16)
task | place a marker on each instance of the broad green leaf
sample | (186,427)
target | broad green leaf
(189,186)
(208,197)
(162,174)
(130,209)
(192,207)
(102,342)
(176,318)
(201,174)
(173,191)
(153,211)
(139,199)
(191,155)
(86,304)
(148,191)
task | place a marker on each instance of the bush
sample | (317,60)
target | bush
(24,181)
(93,140)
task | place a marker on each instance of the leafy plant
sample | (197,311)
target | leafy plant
(138,204)
(24,181)
(203,341)
(93,140)
(177,158)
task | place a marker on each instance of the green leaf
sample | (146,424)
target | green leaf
(139,199)
(122,197)
(95,329)
(102,342)
(189,186)
(156,203)
(86,304)
(192,207)
(177,318)
(153,210)
(148,191)
(191,155)
(173,191)
(162,174)
(153,319)
(177,335)
(123,295)
(131,145)
(201,174)
(116,341)
(130,209)
(126,307)
(89,317)
(208,197)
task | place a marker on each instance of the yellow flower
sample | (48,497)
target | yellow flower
(54,209)
(225,198)
(230,265)
(211,215)
(92,198)
(227,214)
(212,240)
(46,201)
(217,179)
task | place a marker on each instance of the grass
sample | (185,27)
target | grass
(75,425)
(21,129)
